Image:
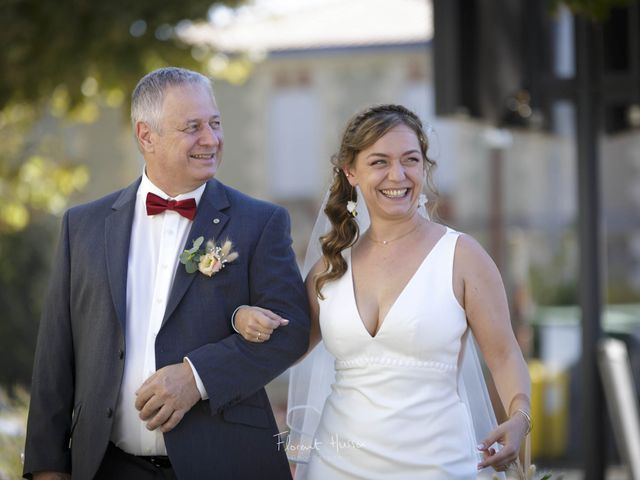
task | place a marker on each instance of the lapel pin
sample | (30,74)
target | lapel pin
(216,220)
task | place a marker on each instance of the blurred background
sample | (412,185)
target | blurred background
(533,114)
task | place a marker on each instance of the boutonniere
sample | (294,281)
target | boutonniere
(209,260)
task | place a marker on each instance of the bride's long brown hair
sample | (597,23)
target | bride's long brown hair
(362,131)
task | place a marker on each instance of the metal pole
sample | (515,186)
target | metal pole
(498,140)
(496,221)
(588,110)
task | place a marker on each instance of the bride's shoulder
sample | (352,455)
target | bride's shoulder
(471,255)
(318,267)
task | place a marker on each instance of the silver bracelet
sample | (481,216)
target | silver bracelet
(233,318)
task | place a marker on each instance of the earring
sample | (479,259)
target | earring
(423,200)
(352,206)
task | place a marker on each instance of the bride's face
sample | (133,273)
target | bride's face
(390,174)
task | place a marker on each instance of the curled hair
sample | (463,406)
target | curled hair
(147,97)
(362,131)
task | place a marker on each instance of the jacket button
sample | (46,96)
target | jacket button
(109,412)
(120,354)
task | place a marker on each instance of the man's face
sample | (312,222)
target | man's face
(187,150)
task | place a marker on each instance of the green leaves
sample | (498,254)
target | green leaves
(196,244)
(191,258)
(47,45)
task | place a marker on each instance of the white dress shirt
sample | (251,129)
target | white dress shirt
(155,247)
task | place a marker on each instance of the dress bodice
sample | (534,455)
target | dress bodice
(423,328)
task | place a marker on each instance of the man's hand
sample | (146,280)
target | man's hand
(166,396)
(51,476)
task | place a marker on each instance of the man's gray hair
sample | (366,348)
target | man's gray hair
(147,97)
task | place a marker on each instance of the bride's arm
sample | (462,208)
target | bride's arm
(315,335)
(480,291)
(257,324)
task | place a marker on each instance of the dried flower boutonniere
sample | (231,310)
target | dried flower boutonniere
(209,260)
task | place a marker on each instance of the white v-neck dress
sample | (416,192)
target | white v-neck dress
(394,411)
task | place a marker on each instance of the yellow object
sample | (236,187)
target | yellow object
(537,373)
(556,412)
(549,410)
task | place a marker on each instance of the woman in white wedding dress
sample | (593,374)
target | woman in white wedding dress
(394,305)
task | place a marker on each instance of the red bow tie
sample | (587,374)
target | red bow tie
(156,204)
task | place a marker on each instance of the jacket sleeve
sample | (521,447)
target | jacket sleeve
(51,405)
(233,368)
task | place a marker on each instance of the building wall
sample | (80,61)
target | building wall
(327,88)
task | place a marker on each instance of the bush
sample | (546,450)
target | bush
(24,271)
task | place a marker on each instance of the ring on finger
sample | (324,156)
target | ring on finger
(258,336)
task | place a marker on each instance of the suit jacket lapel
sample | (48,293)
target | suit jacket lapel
(208,223)
(117,239)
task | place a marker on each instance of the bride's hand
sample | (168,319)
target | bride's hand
(257,324)
(509,434)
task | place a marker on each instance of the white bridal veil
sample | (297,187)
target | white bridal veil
(310,380)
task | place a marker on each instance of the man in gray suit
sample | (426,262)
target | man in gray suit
(138,374)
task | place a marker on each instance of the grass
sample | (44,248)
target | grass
(13,413)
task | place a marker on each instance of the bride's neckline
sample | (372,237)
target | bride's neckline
(380,323)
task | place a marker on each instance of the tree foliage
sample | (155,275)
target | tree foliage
(50,44)
(35,173)
(23,276)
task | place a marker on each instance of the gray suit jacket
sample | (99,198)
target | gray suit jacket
(80,351)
